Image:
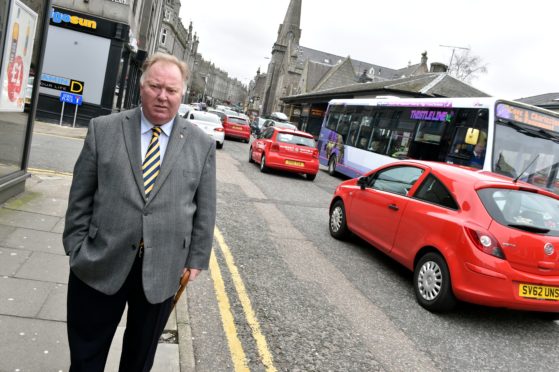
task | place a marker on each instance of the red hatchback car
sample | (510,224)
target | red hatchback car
(236,127)
(466,234)
(285,149)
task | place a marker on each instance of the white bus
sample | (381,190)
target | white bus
(506,137)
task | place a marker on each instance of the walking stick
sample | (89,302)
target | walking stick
(184,282)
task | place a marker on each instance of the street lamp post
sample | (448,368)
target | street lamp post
(205,83)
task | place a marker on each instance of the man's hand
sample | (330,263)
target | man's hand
(193,273)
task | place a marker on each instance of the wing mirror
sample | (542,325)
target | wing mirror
(362,182)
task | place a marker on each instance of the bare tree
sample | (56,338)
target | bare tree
(466,67)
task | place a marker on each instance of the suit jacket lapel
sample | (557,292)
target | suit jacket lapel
(133,141)
(174,147)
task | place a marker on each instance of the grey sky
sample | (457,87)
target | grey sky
(514,38)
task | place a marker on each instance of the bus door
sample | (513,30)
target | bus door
(469,138)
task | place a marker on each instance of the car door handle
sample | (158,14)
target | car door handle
(394,207)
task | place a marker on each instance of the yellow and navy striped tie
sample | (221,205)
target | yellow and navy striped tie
(152,162)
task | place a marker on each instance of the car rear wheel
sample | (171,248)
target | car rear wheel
(332,165)
(263,167)
(338,225)
(431,280)
(311,177)
(250,160)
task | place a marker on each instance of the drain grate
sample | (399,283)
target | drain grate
(169,337)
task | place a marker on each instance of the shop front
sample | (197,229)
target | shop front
(82,59)
(22,40)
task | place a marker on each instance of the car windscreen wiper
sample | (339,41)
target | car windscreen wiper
(530,228)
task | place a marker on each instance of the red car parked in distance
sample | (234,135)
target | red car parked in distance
(236,127)
(466,234)
(285,149)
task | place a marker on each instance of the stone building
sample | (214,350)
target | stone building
(295,69)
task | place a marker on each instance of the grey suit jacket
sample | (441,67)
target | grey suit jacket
(108,213)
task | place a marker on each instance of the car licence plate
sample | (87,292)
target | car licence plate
(540,292)
(237,128)
(295,163)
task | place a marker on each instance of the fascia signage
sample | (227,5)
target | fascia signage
(58,17)
(90,24)
(62,83)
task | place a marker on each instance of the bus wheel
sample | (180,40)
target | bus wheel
(332,165)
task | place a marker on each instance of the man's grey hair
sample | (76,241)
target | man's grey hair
(166,58)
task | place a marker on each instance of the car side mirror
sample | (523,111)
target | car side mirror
(362,182)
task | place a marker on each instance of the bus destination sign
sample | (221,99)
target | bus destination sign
(528,117)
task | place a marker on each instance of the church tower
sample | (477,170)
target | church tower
(282,74)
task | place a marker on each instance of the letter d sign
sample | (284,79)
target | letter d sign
(76,87)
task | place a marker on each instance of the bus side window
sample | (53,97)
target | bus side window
(333,118)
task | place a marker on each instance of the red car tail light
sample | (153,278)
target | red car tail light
(315,154)
(485,242)
(274,147)
(219,129)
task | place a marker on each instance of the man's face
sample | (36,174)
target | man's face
(161,92)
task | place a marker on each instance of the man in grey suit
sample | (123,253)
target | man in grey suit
(141,213)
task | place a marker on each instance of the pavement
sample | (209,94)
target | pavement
(33,282)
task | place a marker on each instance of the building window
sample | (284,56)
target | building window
(168,15)
(163,38)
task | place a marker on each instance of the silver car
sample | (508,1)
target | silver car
(209,123)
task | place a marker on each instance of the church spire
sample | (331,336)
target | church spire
(293,15)
(290,28)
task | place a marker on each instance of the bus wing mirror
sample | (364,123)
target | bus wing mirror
(472,136)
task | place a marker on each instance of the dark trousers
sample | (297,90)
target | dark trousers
(94,316)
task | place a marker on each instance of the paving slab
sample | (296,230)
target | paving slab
(39,202)
(5,231)
(33,345)
(45,267)
(22,297)
(11,260)
(16,218)
(59,227)
(54,307)
(43,241)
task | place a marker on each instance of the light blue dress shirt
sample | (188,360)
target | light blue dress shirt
(146,131)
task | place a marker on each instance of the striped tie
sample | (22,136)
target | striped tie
(152,162)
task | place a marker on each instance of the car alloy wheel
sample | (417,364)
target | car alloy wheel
(332,165)
(250,160)
(433,289)
(337,225)
(263,167)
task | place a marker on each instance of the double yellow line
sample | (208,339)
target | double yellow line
(235,346)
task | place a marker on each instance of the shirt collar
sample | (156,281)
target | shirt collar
(146,125)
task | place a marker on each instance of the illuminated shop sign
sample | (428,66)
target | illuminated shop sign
(59,17)
(62,83)
(430,115)
(529,117)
